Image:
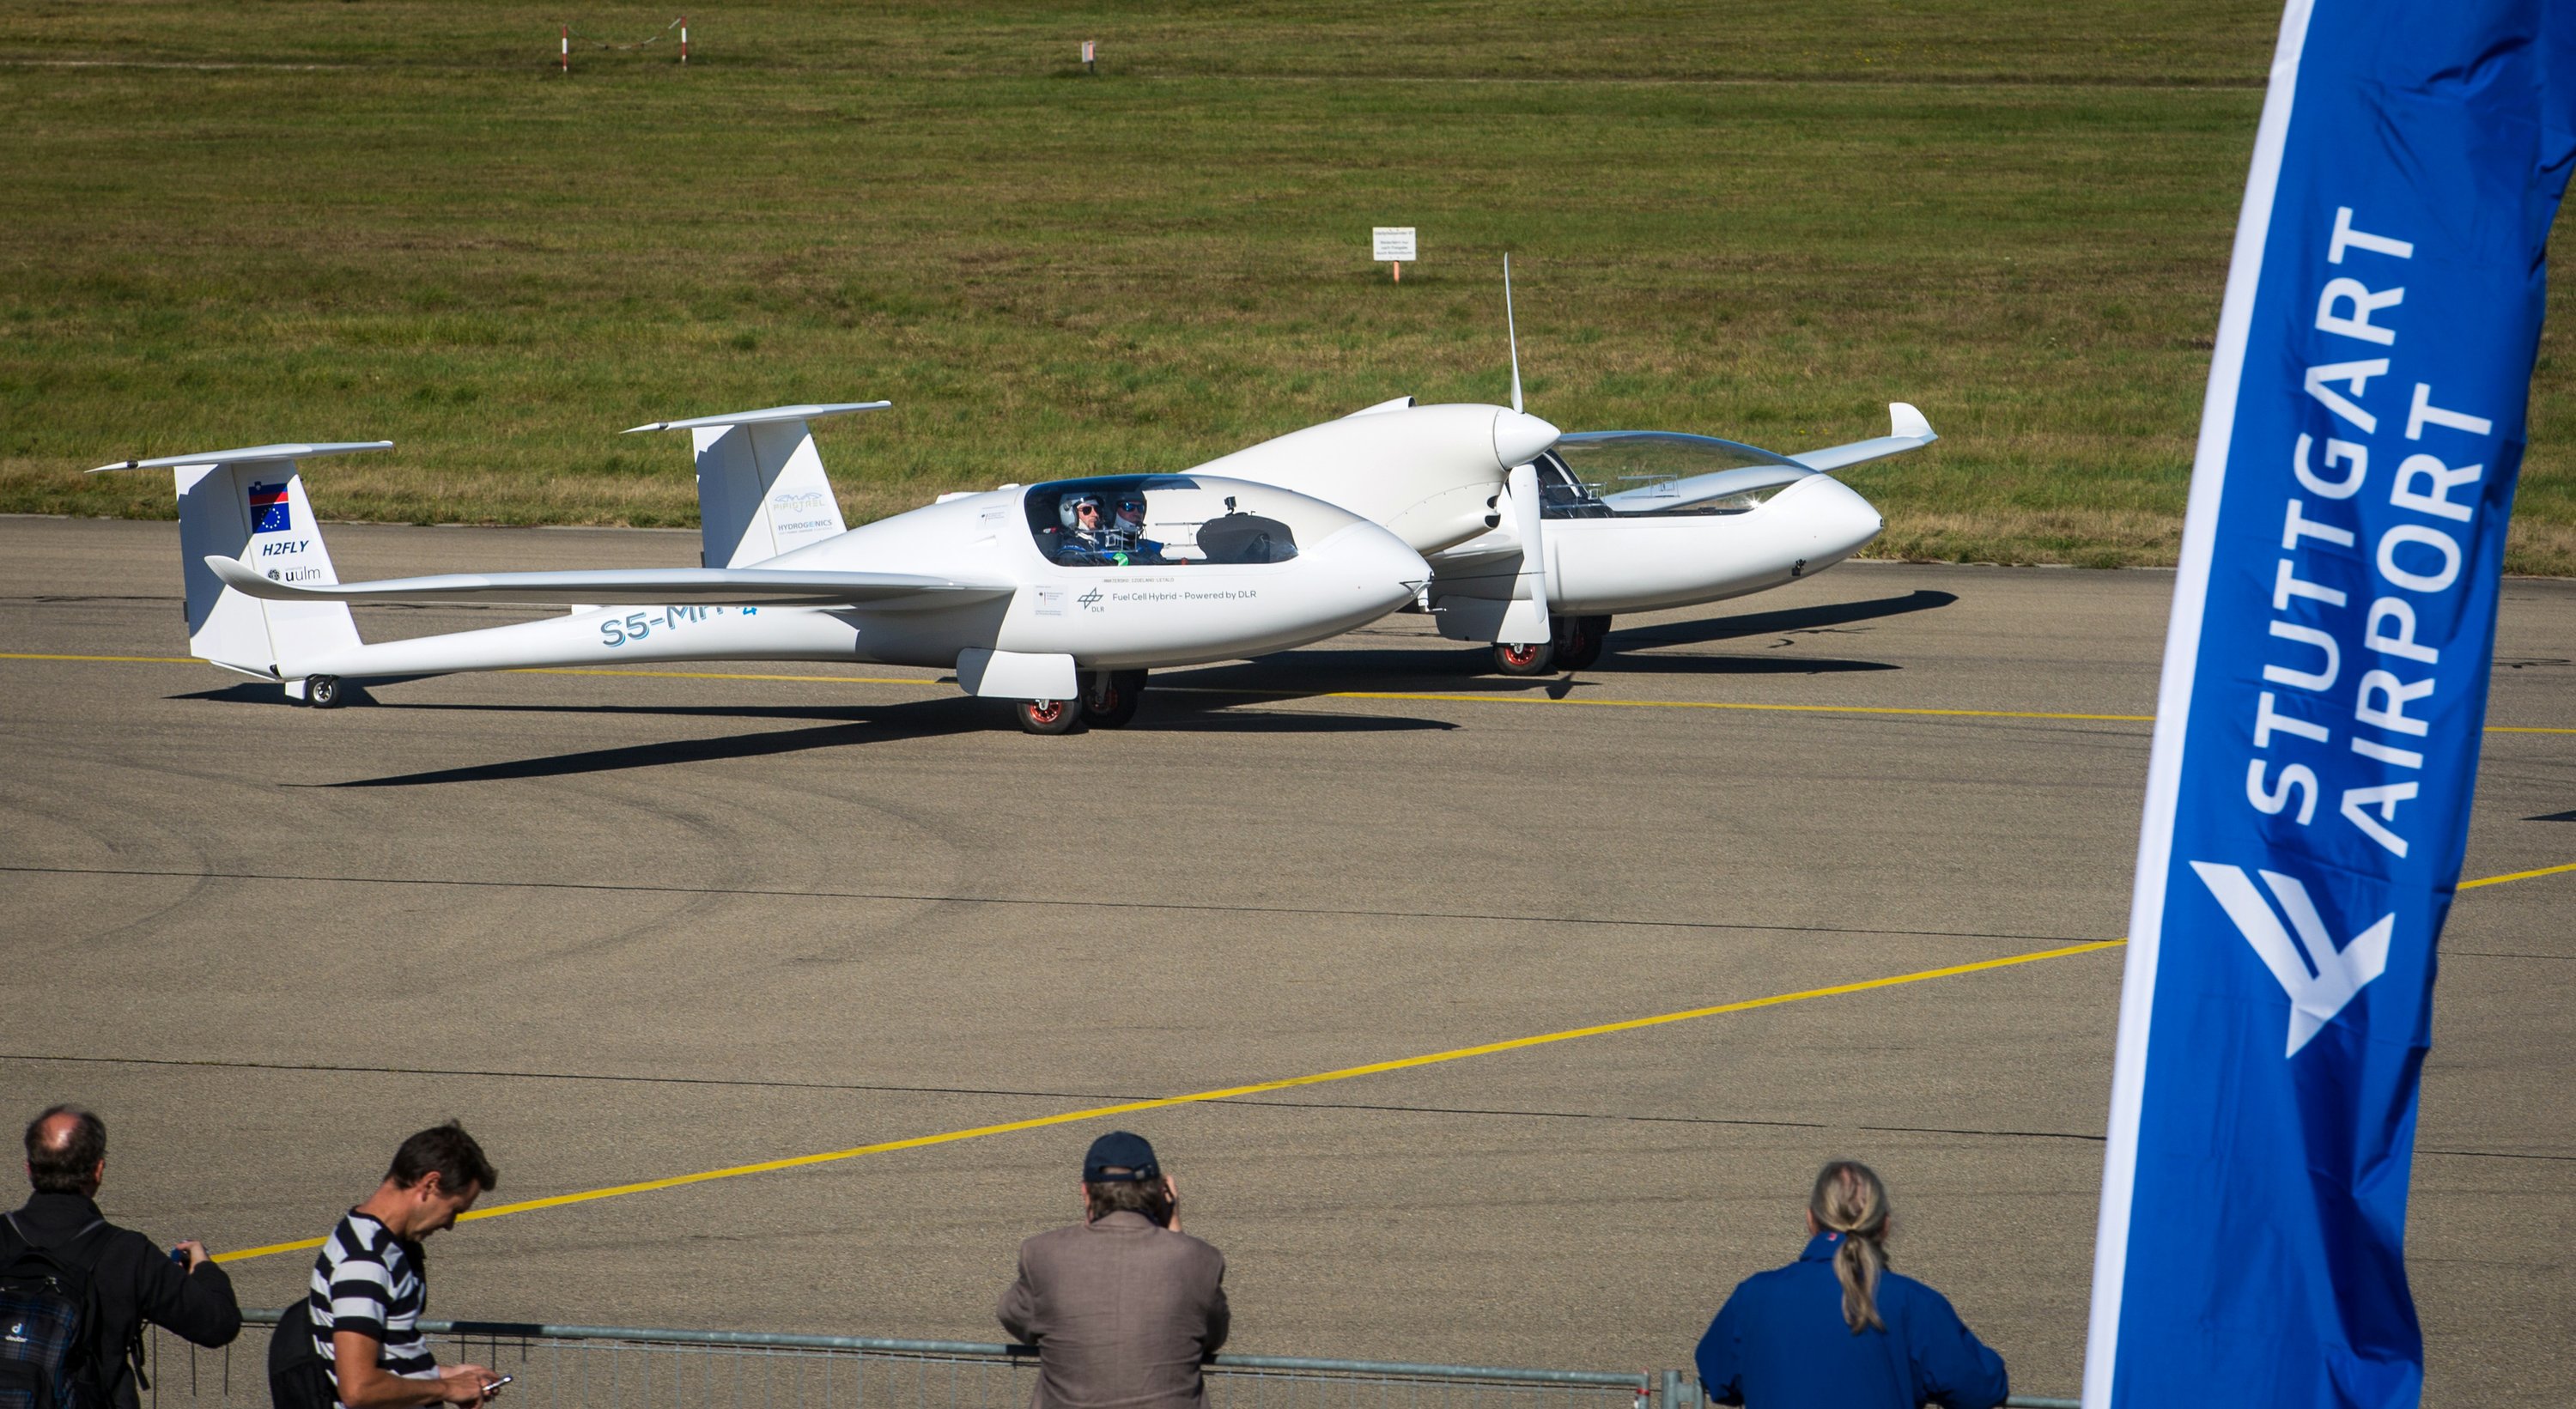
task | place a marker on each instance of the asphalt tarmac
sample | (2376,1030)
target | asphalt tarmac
(630,927)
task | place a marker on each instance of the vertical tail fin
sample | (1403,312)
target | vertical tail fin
(761,486)
(250,505)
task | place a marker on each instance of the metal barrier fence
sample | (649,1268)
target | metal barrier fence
(614,1367)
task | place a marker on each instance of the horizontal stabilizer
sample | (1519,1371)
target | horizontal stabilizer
(1907,430)
(747,587)
(249,454)
(755,418)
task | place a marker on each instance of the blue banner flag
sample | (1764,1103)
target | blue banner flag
(2325,682)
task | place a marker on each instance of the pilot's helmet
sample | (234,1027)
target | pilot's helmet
(1069,509)
(1131,511)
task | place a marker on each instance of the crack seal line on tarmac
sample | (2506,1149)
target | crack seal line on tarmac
(1234,1093)
(907,897)
(1394,695)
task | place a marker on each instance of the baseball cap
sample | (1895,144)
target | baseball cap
(1119,1150)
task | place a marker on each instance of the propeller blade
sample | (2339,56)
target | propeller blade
(1525,621)
(1512,331)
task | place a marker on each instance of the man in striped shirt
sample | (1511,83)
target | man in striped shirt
(370,1286)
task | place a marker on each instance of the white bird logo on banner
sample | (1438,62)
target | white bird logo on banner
(2319,978)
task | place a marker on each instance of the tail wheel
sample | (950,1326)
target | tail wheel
(1112,699)
(323,691)
(1580,640)
(1522,660)
(1047,716)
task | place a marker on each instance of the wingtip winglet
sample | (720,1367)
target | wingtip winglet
(1905,419)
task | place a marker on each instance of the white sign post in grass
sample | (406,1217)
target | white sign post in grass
(1393,244)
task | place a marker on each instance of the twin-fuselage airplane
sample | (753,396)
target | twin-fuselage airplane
(1059,597)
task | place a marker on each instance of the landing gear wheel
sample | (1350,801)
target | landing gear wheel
(1579,640)
(1047,716)
(323,692)
(1522,660)
(1110,698)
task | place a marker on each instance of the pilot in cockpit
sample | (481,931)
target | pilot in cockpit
(1084,539)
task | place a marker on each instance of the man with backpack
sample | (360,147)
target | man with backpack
(76,1289)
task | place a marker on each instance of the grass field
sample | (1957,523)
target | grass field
(230,225)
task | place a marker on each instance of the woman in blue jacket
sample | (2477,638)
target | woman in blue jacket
(1836,1330)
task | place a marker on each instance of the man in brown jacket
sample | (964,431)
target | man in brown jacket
(1123,1306)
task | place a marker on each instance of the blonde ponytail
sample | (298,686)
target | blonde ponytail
(1851,1201)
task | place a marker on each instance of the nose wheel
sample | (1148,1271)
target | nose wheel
(1047,716)
(1530,659)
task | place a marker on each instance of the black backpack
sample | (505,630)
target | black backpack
(298,1376)
(48,1320)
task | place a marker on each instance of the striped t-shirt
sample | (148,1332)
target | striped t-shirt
(366,1280)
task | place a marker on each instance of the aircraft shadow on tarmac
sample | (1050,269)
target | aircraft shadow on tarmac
(873,724)
(1454,669)
(1782,623)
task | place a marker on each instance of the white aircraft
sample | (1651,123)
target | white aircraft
(1057,597)
(1685,519)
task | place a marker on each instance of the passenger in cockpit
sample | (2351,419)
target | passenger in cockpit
(1127,534)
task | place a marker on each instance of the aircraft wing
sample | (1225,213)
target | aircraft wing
(745,587)
(1907,430)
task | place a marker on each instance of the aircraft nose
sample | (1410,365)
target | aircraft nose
(1380,565)
(1838,519)
(1520,437)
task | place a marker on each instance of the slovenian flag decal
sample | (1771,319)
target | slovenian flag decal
(268,512)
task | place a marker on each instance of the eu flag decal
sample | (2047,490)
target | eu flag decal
(268,511)
(2324,693)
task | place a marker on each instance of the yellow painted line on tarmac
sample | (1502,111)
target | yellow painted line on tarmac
(1540,699)
(1222,1093)
(2516,876)
(119,660)
(1531,698)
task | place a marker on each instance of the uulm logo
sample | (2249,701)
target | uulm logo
(2319,978)
(1090,600)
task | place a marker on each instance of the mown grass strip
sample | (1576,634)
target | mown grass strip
(1049,274)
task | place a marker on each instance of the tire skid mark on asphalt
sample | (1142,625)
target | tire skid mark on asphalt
(1523,698)
(1233,1093)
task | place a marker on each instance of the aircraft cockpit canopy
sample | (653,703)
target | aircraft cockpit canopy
(1171,520)
(1563,496)
(1636,468)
